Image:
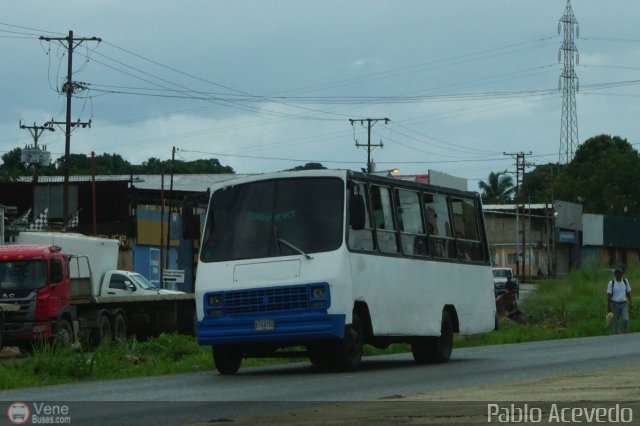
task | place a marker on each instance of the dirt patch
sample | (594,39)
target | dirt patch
(618,386)
(608,385)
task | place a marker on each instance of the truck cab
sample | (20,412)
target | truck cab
(127,283)
(36,279)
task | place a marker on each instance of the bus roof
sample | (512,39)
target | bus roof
(343,174)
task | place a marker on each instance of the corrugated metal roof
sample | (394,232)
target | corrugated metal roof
(190,183)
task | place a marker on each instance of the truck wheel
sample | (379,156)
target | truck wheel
(119,327)
(102,334)
(64,334)
(227,359)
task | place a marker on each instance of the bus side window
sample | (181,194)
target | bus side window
(412,234)
(440,241)
(468,244)
(383,218)
(360,229)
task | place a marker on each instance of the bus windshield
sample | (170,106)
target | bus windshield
(271,218)
(23,274)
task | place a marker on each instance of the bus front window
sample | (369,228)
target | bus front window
(273,218)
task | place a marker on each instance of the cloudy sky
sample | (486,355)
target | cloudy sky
(265,85)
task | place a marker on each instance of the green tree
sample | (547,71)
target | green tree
(603,177)
(11,166)
(498,189)
(308,166)
(540,183)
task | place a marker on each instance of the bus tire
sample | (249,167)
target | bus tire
(227,359)
(102,334)
(119,328)
(436,349)
(319,355)
(64,334)
(348,354)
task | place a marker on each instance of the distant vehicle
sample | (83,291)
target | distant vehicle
(66,286)
(500,278)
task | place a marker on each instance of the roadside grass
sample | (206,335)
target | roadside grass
(562,308)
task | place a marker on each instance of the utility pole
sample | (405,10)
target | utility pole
(170,205)
(520,205)
(36,131)
(69,87)
(569,85)
(370,122)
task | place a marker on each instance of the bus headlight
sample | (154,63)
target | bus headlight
(216,300)
(319,292)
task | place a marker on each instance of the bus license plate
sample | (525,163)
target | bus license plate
(264,325)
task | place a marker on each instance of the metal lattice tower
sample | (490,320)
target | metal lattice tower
(569,85)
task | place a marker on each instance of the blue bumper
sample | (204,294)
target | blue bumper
(290,328)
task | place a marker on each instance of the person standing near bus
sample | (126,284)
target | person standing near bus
(618,292)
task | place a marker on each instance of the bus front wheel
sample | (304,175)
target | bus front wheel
(348,354)
(227,359)
(435,349)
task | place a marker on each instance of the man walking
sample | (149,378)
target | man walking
(618,291)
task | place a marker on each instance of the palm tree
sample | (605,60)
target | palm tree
(499,188)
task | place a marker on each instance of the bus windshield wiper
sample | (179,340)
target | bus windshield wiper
(291,246)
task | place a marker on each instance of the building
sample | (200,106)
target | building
(157,219)
(521,239)
(610,241)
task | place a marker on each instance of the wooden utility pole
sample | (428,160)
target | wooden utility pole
(370,122)
(170,205)
(520,206)
(69,87)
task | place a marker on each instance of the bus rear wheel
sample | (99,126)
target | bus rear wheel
(227,359)
(435,349)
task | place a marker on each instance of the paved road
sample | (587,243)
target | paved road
(208,396)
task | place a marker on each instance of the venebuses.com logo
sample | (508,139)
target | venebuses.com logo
(18,413)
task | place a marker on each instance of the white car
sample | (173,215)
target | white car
(500,278)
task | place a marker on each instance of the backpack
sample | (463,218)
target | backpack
(624,280)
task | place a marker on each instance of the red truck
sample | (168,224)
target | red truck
(59,297)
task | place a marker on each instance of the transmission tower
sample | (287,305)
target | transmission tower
(568,84)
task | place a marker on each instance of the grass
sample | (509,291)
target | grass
(560,309)
(564,308)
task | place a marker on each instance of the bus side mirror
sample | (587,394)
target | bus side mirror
(356,212)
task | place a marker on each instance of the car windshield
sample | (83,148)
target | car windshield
(501,273)
(142,282)
(23,274)
(271,218)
